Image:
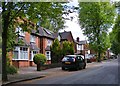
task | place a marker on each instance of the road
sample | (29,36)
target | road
(103,73)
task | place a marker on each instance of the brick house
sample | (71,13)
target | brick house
(46,38)
(38,41)
(82,47)
(67,36)
(23,53)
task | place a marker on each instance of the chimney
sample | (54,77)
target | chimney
(77,39)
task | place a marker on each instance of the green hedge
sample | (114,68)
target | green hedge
(11,69)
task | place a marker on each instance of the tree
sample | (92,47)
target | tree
(28,12)
(95,20)
(67,48)
(39,60)
(115,34)
(55,51)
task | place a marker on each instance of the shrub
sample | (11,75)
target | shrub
(39,59)
(55,51)
(68,48)
(11,69)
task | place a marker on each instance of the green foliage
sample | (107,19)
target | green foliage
(28,12)
(115,34)
(117,29)
(55,51)
(10,68)
(115,47)
(39,59)
(95,20)
(11,38)
(67,48)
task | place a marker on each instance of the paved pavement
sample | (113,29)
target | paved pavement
(29,73)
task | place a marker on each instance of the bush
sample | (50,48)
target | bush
(39,59)
(11,69)
(55,51)
(67,48)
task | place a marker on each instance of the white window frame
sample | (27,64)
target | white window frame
(32,38)
(23,53)
(48,56)
(78,47)
(81,47)
(32,54)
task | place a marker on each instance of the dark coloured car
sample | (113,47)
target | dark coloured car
(73,62)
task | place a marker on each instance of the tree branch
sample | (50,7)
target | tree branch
(16,13)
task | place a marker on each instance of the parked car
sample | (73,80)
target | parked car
(113,57)
(90,58)
(73,62)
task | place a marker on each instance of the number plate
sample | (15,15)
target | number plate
(67,62)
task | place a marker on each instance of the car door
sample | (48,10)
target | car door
(80,61)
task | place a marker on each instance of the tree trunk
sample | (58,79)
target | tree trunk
(4,52)
(38,67)
(5,22)
(98,43)
(99,58)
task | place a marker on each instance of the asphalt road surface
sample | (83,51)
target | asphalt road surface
(104,73)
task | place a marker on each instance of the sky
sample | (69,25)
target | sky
(73,25)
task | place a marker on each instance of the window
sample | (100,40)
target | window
(23,53)
(81,47)
(32,38)
(20,53)
(32,53)
(49,42)
(78,47)
(48,55)
(15,55)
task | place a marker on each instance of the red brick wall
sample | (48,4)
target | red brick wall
(42,45)
(15,63)
(20,63)
(37,41)
(27,37)
(32,63)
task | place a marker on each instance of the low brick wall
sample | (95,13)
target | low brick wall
(53,65)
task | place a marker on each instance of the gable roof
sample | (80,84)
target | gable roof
(45,33)
(65,35)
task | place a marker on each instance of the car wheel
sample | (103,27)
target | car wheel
(63,68)
(84,67)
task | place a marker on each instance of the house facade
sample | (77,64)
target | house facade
(23,53)
(38,41)
(82,47)
(46,39)
(67,36)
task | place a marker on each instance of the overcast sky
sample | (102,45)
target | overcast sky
(73,25)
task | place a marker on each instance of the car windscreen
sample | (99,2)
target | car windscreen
(68,58)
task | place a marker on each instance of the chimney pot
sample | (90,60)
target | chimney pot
(77,39)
